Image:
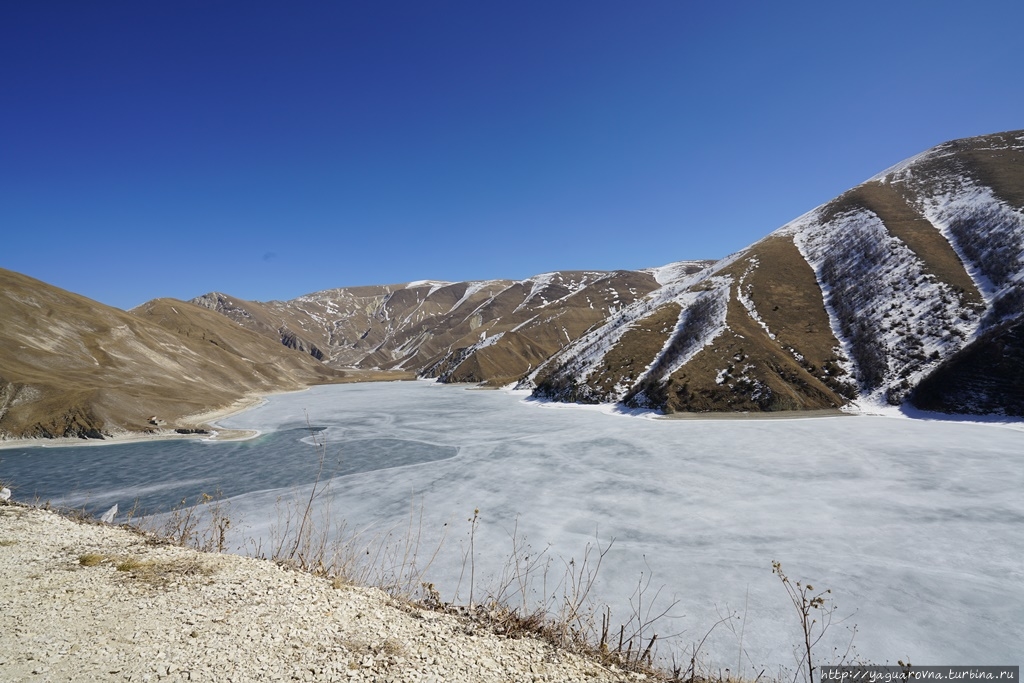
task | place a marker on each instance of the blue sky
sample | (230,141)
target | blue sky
(271,149)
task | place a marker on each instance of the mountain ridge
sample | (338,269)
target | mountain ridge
(72,367)
(908,288)
(491,331)
(910,267)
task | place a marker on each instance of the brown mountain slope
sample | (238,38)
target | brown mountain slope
(518,339)
(913,279)
(985,377)
(70,366)
(754,365)
(906,223)
(917,274)
(492,331)
(704,349)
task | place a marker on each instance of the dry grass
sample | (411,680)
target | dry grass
(149,570)
(202,525)
(91,559)
(128,564)
(787,297)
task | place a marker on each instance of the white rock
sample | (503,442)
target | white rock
(108,516)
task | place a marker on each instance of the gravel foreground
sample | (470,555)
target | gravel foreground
(147,612)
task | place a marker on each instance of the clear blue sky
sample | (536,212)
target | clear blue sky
(270,149)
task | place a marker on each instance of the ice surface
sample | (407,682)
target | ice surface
(916,525)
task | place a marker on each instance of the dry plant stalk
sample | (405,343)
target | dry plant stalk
(183,524)
(807,602)
(308,537)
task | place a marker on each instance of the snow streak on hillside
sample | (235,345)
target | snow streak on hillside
(743,292)
(895,320)
(677,271)
(702,318)
(897,300)
(918,270)
(546,306)
(579,359)
(987,234)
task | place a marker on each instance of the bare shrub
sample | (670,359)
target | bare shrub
(815,610)
(202,524)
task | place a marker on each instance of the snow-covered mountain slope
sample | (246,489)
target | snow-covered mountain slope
(909,285)
(487,331)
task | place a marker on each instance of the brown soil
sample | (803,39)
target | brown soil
(788,299)
(905,223)
(637,348)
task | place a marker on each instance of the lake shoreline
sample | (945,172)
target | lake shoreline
(702,506)
(776,415)
(205,420)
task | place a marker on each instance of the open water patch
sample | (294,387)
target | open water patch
(161,474)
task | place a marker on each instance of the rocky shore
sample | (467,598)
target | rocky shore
(82,601)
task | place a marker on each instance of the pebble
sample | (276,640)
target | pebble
(239,619)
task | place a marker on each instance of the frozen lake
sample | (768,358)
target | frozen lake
(916,526)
